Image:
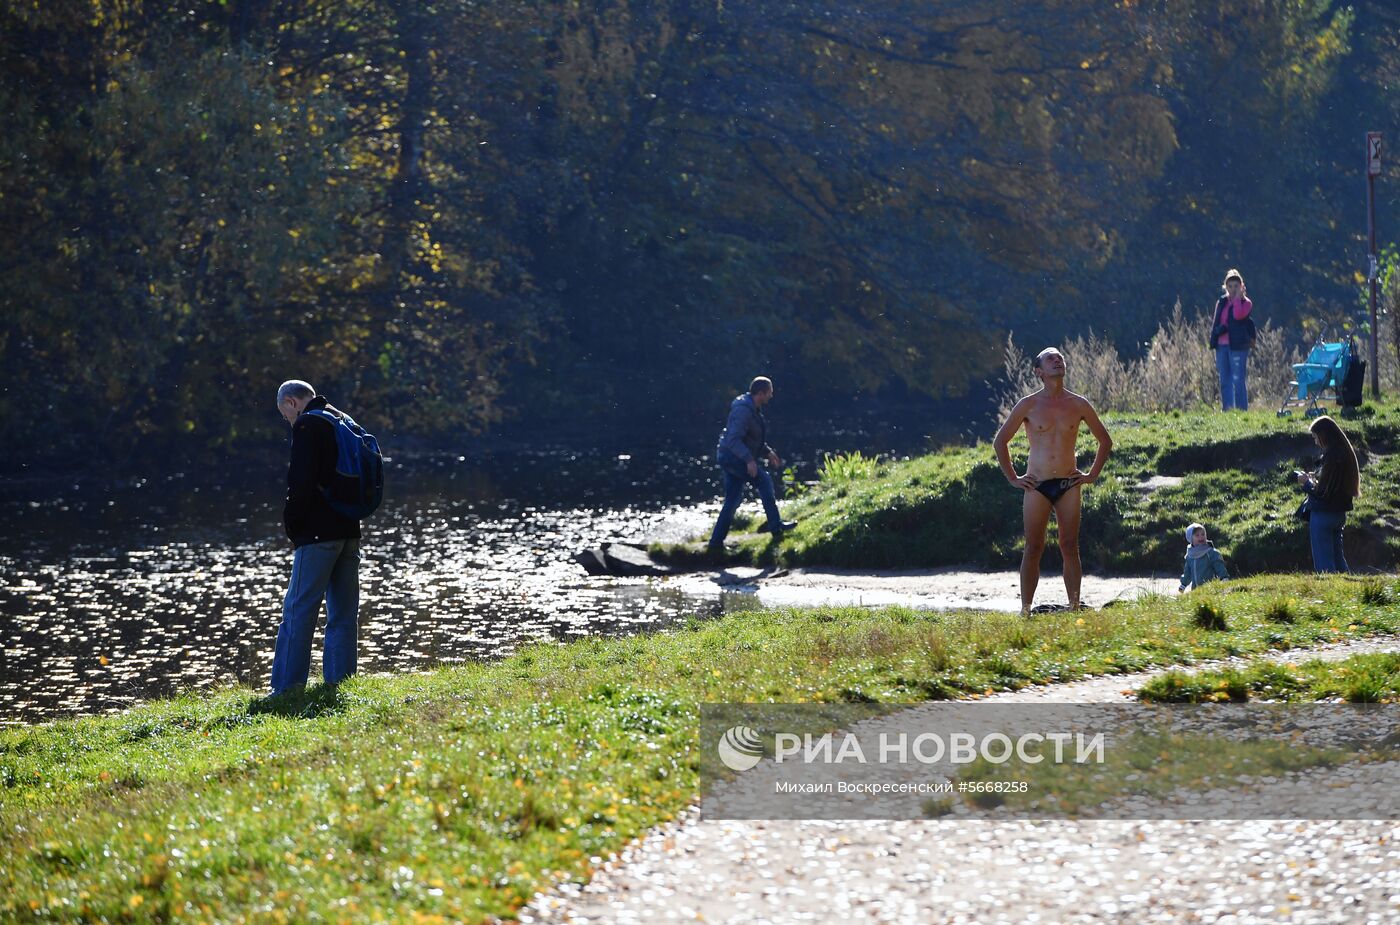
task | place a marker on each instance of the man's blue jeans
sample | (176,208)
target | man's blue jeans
(736,476)
(327,571)
(1233,369)
(1325,531)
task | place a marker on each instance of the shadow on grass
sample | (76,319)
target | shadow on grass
(302,703)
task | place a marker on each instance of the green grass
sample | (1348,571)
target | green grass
(954,507)
(845,468)
(1372,678)
(458,793)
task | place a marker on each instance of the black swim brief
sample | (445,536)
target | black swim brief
(1054,489)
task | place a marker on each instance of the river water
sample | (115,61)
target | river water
(117,595)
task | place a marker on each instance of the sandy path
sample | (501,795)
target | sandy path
(994,871)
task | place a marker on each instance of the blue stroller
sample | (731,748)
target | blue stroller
(1320,377)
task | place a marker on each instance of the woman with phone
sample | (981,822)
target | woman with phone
(1231,336)
(1331,490)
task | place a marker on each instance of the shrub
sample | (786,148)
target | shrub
(1232,685)
(937,651)
(1209,615)
(1205,687)
(1281,610)
(847,467)
(1370,679)
(1376,593)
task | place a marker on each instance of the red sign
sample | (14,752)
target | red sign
(1373,154)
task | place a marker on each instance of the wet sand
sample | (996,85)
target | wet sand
(924,589)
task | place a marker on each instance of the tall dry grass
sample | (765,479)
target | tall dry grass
(1388,346)
(1176,373)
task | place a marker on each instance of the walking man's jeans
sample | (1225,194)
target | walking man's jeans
(1325,531)
(736,476)
(320,571)
(1233,369)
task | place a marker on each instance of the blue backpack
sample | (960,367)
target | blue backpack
(359,467)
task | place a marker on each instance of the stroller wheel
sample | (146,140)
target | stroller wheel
(1315,412)
(1284,414)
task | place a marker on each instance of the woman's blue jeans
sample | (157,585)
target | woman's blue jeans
(1325,531)
(327,571)
(736,476)
(1233,368)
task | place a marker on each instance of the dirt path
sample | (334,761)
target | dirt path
(1002,871)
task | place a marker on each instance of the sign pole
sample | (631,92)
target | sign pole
(1373,168)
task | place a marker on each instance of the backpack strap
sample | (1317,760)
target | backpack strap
(344,448)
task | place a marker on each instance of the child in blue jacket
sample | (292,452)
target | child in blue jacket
(1203,561)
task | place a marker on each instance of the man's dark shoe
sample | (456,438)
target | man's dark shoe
(786,525)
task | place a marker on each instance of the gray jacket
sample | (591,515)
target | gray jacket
(746,432)
(1202,569)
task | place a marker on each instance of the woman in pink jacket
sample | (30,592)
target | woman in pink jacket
(1232,334)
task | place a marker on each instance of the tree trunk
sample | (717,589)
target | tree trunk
(406,189)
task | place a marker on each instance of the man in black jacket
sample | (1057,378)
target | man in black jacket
(326,565)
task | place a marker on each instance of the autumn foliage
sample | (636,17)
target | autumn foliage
(450,213)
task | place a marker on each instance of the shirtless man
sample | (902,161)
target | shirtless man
(1051,483)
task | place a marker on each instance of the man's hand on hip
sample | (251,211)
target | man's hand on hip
(752,468)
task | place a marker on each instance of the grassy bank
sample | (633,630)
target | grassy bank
(454,795)
(1373,678)
(1229,471)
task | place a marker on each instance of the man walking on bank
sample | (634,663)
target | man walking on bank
(1052,481)
(326,565)
(741,444)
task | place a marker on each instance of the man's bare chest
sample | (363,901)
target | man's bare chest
(1053,424)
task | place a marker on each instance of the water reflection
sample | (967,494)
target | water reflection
(164,585)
